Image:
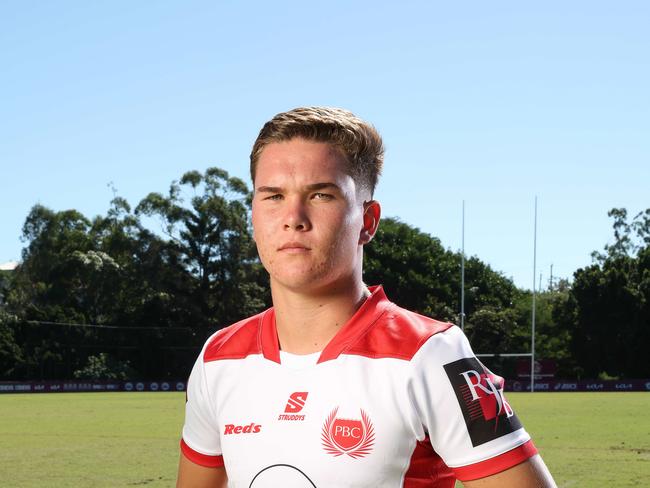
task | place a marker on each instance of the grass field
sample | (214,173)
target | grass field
(131,439)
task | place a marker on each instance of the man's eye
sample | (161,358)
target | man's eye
(323,196)
(277,196)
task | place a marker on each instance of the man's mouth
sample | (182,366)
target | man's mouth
(294,247)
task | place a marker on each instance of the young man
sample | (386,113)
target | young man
(335,386)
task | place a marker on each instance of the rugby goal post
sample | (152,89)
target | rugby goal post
(530,354)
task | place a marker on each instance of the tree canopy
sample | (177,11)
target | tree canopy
(609,303)
(111,296)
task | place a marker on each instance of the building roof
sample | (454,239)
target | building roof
(8,266)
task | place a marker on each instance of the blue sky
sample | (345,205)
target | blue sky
(491,103)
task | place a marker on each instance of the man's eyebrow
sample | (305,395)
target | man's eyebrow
(311,187)
(269,189)
(322,186)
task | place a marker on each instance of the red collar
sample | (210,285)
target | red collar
(373,308)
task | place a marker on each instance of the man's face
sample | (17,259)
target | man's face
(307,216)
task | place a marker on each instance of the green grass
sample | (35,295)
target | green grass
(131,439)
(90,439)
(590,439)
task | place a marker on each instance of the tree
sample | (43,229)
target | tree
(629,237)
(11,354)
(105,367)
(147,267)
(414,268)
(419,274)
(72,270)
(552,330)
(42,283)
(210,235)
(200,275)
(6,278)
(610,303)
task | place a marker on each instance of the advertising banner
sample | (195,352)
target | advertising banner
(516,385)
(88,386)
(581,385)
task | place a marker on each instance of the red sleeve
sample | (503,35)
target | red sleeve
(201,459)
(496,464)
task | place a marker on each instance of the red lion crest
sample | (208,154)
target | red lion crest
(348,436)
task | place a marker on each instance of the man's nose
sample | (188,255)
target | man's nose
(296,216)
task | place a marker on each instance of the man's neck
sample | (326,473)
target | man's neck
(307,322)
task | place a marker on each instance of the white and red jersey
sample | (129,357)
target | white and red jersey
(394,400)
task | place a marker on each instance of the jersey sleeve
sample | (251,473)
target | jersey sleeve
(200,442)
(462,408)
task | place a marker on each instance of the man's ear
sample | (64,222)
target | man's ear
(371,216)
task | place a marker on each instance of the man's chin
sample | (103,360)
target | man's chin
(311,284)
(305,285)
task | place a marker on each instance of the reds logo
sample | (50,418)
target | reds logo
(480,396)
(348,436)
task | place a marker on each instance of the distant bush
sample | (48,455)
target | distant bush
(104,367)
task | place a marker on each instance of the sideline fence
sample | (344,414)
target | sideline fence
(52,351)
(78,386)
(180,385)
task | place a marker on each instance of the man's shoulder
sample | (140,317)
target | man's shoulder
(398,333)
(235,341)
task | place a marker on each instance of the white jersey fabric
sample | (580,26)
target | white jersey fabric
(394,400)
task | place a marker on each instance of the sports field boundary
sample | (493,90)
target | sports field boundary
(83,386)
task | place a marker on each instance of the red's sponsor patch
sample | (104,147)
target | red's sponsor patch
(486,411)
(251,428)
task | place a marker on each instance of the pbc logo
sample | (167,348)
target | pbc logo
(294,405)
(354,437)
(486,412)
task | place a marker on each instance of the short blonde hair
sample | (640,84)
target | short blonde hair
(358,140)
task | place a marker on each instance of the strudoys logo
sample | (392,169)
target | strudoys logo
(354,437)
